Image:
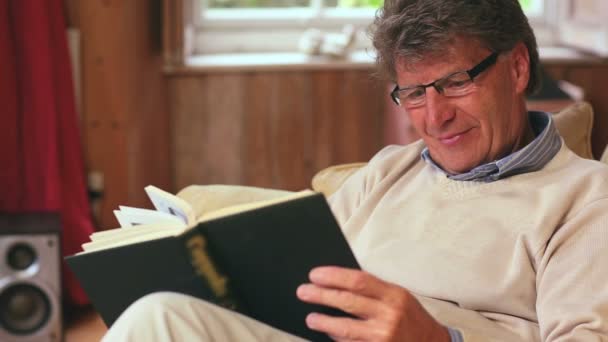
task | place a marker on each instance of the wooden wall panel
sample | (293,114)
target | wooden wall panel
(260,127)
(278,128)
(105,146)
(222,139)
(326,103)
(346,130)
(272,129)
(149,159)
(106,79)
(187,97)
(294,132)
(365,116)
(124,111)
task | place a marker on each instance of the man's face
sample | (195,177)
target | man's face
(482,126)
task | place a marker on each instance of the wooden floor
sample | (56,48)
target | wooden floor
(84,326)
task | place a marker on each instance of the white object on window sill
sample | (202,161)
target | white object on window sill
(311,41)
(315,42)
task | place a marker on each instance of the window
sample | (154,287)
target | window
(570,23)
(233,26)
(292,3)
(533,8)
(224,26)
(543,15)
(583,25)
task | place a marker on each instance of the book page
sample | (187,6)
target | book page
(253,205)
(118,233)
(130,216)
(124,236)
(127,239)
(170,204)
(122,219)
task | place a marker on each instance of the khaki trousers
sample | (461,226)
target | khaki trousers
(166,316)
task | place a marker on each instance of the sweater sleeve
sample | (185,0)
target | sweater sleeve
(388,162)
(572,278)
(345,201)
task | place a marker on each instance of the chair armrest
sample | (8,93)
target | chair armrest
(330,179)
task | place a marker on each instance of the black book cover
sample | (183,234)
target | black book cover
(257,258)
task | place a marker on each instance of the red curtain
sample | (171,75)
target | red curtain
(41,164)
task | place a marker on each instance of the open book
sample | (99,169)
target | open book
(172,216)
(249,258)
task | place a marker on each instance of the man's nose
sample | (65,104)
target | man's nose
(438,109)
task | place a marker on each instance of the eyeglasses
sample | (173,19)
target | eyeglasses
(459,83)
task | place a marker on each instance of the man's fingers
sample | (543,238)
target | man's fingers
(354,281)
(352,303)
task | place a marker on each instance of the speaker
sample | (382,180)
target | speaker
(30,277)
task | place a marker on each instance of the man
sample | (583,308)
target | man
(490,228)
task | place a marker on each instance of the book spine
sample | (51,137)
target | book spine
(205,267)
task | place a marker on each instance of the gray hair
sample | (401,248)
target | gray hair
(413,29)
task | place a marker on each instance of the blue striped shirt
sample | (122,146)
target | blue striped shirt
(532,157)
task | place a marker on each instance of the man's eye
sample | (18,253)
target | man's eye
(415,94)
(456,84)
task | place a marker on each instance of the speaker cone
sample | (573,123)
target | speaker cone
(21,256)
(24,308)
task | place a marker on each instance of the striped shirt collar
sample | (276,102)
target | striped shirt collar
(532,157)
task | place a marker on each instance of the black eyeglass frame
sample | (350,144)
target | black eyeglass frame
(473,72)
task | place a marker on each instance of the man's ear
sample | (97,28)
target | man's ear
(520,67)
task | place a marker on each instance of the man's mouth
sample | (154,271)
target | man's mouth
(452,138)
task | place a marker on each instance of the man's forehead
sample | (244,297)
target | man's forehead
(461,54)
(428,69)
(413,65)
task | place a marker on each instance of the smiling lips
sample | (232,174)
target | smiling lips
(452,139)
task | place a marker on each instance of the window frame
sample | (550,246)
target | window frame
(222,32)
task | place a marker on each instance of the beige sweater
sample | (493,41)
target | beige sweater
(524,258)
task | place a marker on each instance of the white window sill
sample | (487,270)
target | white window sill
(556,54)
(239,62)
(362,59)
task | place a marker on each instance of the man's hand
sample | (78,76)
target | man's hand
(384,311)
